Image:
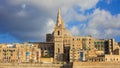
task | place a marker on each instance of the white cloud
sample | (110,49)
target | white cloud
(103,25)
(55,4)
(23,6)
(43,15)
(87,4)
(21,13)
(50,26)
(75,30)
(48,10)
(73,15)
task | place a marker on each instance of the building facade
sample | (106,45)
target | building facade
(70,48)
(19,53)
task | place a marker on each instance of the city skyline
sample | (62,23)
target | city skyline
(61,48)
(29,20)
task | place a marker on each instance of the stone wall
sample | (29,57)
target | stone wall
(28,65)
(46,60)
(96,65)
(74,65)
(112,58)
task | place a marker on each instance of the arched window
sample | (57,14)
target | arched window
(58,32)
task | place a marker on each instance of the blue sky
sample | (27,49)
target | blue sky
(30,20)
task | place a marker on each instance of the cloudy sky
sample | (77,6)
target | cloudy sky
(30,20)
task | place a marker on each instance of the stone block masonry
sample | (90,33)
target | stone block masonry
(96,65)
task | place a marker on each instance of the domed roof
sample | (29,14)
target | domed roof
(67,33)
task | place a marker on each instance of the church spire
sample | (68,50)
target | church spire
(59,19)
(59,13)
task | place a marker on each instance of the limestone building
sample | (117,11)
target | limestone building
(70,48)
(19,53)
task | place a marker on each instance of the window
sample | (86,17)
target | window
(95,46)
(98,47)
(58,50)
(73,39)
(114,59)
(58,32)
(84,46)
(117,59)
(84,39)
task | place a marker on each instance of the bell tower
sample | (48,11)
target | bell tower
(58,38)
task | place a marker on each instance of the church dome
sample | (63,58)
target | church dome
(67,33)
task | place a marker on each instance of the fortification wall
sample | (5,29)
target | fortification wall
(28,65)
(46,60)
(96,65)
(74,65)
